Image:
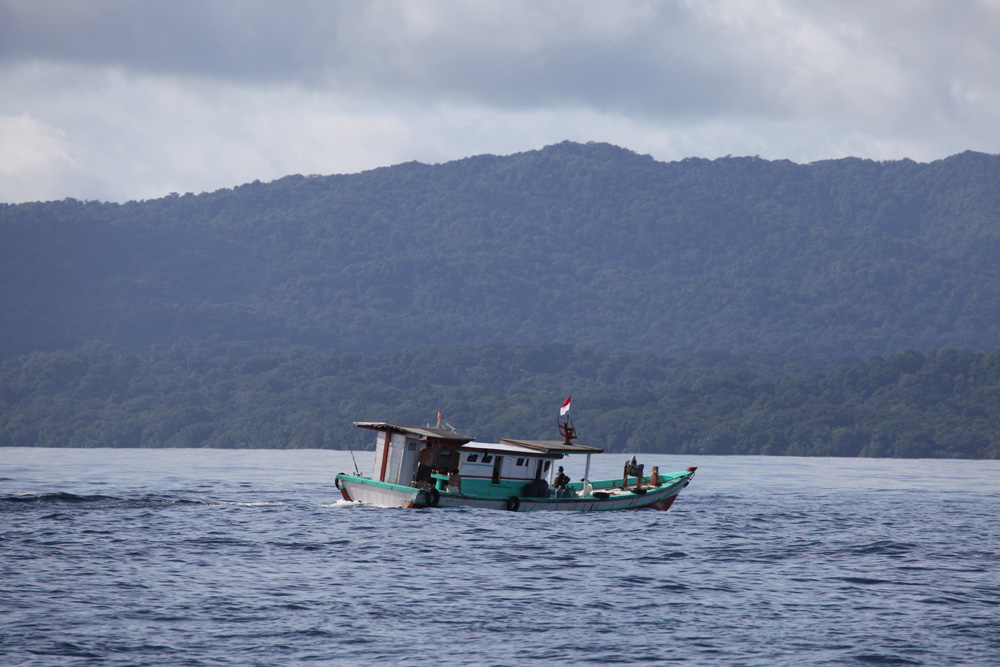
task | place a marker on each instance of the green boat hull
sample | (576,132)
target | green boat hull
(601,495)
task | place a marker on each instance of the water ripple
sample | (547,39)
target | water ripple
(183,571)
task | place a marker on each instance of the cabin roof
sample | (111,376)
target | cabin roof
(546,448)
(507,448)
(419,432)
(553,446)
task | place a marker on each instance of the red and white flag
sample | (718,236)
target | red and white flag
(565,406)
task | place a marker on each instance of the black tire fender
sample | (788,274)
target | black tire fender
(432,497)
(513,504)
(601,494)
(336,482)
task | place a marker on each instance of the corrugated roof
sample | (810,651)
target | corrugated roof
(450,437)
(507,448)
(420,432)
(553,446)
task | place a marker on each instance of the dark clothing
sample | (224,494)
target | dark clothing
(561,480)
(423,473)
(537,489)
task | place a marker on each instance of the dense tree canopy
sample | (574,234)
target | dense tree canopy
(912,404)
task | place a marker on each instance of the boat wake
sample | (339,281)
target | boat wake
(341,503)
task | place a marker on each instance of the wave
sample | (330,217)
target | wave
(882,659)
(884,547)
(59,497)
(64,498)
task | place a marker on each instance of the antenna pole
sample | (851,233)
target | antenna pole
(356,469)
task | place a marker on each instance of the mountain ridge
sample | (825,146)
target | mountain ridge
(591,244)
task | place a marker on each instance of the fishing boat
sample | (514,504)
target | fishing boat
(512,475)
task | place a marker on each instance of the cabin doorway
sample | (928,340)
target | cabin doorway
(497,466)
(407,470)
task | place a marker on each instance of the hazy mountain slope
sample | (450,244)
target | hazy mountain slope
(589,244)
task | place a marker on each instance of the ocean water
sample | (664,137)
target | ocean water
(211,557)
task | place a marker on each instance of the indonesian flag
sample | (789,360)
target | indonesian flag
(565,406)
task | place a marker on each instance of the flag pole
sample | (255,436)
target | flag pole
(569,433)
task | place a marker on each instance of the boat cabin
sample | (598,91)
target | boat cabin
(510,467)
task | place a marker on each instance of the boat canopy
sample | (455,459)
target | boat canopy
(553,446)
(504,447)
(537,448)
(423,433)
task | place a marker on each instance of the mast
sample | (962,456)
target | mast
(568,432)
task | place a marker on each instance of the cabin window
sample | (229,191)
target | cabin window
(547,464)
(520,462)
(487,458)
(472,458)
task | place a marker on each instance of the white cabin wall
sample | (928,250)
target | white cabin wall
(379,448)
(509,468)
(525,471)
(476,469)
(397,447)
(407,470)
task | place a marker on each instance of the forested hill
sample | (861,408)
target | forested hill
(587,244)
(912,404)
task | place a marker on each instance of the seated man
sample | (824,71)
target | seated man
(454,482)
(560,482)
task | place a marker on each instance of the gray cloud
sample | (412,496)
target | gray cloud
(103,80)
(213,39)
(646,57)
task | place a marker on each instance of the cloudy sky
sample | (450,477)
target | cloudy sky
(122,99)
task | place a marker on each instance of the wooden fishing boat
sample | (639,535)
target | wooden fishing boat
(513,475)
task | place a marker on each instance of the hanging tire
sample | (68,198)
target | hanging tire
(432,497)
(336,482)
(513,503)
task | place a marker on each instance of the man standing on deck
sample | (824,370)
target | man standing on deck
(424,460)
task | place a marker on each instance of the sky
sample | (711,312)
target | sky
(115,100)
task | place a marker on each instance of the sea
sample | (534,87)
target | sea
(194,557)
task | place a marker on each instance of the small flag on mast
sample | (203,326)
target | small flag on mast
(565,407)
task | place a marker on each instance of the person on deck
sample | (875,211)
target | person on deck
(454,482)
(424,460)
(560,482)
